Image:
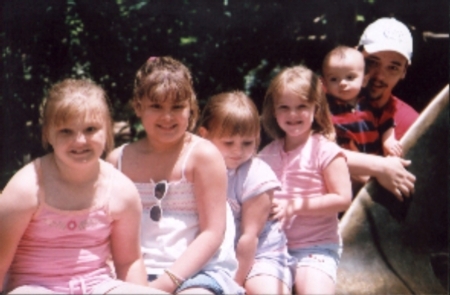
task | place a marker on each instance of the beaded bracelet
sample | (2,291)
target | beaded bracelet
(177,280)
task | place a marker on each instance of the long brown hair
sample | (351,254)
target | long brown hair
(302,82)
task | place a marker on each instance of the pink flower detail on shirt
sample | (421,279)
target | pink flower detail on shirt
(71,225)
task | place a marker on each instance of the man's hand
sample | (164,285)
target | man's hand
(395,178)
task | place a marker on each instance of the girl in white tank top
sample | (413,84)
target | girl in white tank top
(187,229)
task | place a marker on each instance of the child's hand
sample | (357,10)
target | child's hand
(283,210)
(393,147)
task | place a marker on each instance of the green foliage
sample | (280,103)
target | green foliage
(227,44)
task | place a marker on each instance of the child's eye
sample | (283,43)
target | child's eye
(350,78)
(178,107)
(65,131)
(333,79)
(283,107)
(91,129)
(155,106)
(248,143)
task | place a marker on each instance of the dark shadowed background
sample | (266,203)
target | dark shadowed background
(227,44)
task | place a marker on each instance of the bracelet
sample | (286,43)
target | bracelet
(177,280)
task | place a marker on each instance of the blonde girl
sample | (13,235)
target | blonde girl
(187,227)
(65,215)
(313,174)
(230,120)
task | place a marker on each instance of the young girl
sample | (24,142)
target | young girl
(187,228)
(313,172)
(65,215)
(231,122)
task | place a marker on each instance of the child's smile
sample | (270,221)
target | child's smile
(294,115)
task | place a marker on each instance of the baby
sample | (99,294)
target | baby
(358,126)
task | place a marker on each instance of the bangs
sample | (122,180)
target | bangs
(78,108)
(302,91)
(297,85)
(232,127)
(163,86)
(162,93)
(236,123)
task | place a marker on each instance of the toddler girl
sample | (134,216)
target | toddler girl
(187,227)
(313,174)
(65,215)
(231,121)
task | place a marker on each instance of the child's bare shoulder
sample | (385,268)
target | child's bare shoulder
(204,149)
(24,186)
(119,180)
(123,191)
(114,156)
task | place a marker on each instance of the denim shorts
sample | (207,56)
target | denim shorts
(324,257)
(267,267)
(200,280)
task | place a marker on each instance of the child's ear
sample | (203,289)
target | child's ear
(202,132)
(322,82)
(137,107)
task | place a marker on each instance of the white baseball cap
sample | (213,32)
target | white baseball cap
(387,34)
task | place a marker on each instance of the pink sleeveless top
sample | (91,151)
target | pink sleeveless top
(64,251)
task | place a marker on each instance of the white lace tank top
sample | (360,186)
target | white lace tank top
(164,241)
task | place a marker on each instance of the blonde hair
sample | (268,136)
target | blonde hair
(229,114)
(162,78)
(76,99)
(303,83)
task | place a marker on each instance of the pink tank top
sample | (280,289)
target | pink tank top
(64,251)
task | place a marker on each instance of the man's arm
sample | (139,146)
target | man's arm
(390,172)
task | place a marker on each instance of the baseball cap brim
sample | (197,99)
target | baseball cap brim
(373,48)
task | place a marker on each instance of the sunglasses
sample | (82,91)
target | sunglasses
(160,192)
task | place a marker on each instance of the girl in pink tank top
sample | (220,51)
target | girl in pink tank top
(69,220)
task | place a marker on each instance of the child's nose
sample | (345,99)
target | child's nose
(80,137)
(167,114)
(293,112)
(238,149)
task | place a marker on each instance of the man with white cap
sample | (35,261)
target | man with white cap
(387,46)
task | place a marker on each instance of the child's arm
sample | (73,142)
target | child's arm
(126,210)
(391,146)
(18,202)
(338,198)
(208,171)
(357,178)
(390,172)
(255,213)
